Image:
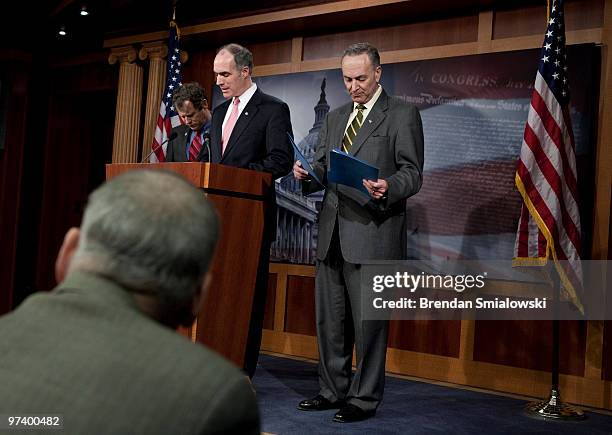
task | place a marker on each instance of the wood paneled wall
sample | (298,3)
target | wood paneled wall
(531,20)
(454,30)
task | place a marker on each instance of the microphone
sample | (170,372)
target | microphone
(172,136)
(206,147)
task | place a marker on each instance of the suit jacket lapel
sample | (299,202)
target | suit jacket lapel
(216,133)
(248,113)
(375,117)
(182,141)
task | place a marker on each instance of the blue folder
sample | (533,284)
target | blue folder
(350,171)
(303,160)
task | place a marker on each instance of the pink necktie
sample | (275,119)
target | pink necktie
(227,131)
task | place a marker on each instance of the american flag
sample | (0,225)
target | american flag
(168,118)
(549,225)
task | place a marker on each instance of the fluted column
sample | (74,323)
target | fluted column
(129,102)
(156,52)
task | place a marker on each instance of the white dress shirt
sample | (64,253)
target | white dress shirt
(244,100)
(368,107)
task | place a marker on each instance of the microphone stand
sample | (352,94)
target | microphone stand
(171,137)
(206,148)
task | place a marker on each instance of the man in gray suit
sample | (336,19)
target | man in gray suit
(355,228)
(101,349)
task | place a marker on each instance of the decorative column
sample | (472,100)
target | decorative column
(156,52)
(129,102)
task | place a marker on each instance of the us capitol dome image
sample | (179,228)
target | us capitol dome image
(296,232)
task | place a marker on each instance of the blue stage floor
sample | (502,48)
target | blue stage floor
(409,407)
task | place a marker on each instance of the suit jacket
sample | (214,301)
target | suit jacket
(390,138)
(86,352)
(258,142)
(177,147)
(259,138)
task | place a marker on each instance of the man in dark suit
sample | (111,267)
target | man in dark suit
(191,143)
(355,228)
(101,349)
(249,130)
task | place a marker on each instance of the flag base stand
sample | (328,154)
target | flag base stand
(554,409)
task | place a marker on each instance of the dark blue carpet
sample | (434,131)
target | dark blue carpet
(409,407)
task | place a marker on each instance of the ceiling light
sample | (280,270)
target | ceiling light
(62,31)
(84,11)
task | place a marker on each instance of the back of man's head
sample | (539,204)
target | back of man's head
(152,233)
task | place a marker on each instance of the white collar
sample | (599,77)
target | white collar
(247,95)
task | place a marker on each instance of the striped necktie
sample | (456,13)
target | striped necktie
(351,131)
(196,147)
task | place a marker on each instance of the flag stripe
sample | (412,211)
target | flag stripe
(549,173)
(557,113)
(538,202)
(548,207)
(557,138)
(522,240)
(550,152)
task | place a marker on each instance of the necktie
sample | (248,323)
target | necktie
(351,131)
(196,147)
(231,122)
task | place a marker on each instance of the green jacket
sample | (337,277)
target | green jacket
(86,352)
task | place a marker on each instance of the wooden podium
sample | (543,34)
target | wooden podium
(239,197)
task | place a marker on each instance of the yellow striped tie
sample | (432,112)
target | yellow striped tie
(351,131)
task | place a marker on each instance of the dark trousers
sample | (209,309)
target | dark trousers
(339,326)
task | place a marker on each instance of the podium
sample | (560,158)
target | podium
(239,197)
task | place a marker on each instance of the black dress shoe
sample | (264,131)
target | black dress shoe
(351,413)
(318,403)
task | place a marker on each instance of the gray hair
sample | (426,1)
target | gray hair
(242,56)
(363,47)
(148,242)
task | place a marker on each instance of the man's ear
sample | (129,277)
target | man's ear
(198,298)
(378,73)
(64,258)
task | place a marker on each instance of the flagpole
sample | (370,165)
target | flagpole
(553,408)
(560,231)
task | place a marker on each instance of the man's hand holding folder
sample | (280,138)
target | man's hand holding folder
(343,169)
(301,168)
(349,170)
